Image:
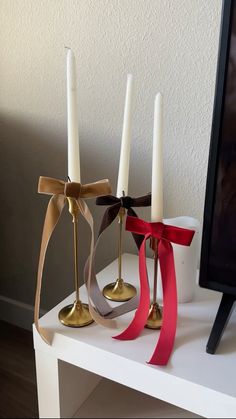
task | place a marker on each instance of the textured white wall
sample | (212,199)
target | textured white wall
(168,45)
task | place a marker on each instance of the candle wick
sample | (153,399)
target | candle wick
(123,193)
(67,47)
(69,178)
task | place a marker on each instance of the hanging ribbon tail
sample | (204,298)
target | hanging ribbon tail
(89,277)
(108,217)
(141,315)
(102,312)
(166,340)
(53,213)
(138,238)
(98,306)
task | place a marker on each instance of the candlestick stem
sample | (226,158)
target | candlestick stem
(74,211)
(76,271)
(119,290)
(154,320)
(155,277)
(76,314)
(120,221)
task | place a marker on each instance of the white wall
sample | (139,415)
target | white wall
(169,46)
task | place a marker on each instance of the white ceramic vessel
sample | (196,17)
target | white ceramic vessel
(186,260)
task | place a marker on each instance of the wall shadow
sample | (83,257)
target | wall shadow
(29,150)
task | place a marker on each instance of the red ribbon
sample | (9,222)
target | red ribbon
(166,235)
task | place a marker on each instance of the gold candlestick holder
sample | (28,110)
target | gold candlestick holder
(154,320)
(119,291)
(76,314)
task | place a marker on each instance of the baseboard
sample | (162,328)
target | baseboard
(17,313)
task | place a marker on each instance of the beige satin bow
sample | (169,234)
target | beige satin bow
(60,191)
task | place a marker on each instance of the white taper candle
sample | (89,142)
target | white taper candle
(157,161)
(72,120)
(123,174)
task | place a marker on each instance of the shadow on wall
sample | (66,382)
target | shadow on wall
(27,151)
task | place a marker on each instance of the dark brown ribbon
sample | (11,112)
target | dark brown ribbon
(115,204)
(104,311)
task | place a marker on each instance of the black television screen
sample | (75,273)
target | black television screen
(218,256)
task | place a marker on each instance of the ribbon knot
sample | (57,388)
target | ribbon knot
(72,190)
(157,230)
(165,235)
(142,227)
(126,202)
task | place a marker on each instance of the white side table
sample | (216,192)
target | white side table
(70,369)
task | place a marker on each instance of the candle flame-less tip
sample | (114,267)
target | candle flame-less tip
(67,47)
(159,98)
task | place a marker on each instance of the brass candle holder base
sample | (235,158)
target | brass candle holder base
(75,315)
(154,320)
(119,291)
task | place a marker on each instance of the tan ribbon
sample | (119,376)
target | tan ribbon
(61,190)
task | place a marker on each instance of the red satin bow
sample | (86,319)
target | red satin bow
(165,235)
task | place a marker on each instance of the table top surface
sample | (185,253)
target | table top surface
(189,360)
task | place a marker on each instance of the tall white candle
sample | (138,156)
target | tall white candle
(123,175)
(72,120)
(157,161)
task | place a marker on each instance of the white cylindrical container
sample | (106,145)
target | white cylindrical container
(186,260)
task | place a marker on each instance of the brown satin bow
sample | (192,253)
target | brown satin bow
(60,191)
